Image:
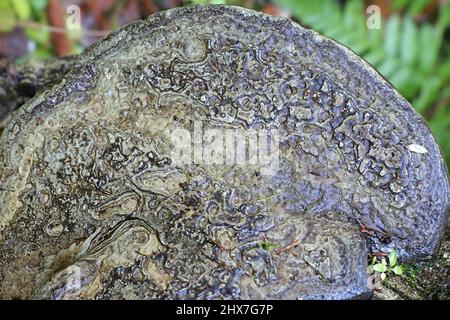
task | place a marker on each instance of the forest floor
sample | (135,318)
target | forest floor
(430,280)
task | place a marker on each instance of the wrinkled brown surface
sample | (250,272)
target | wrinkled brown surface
(89,188)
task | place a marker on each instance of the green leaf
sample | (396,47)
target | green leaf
(379,267)
(268,246)
(406,81)
(398,270)
(21,8)
(41,37)
(392,36)
(388,67)
(428,95)
(375,57)
(444,16)
(409,41)
(444,70)
(398,4)
(352,15)
(418,6)
(7,18)
(411,6)
(4,5)
(42,53)
(372,262)
(39,5)
(440,124)
(393,258)
(429,49)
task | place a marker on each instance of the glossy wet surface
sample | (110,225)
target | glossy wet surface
(94,205)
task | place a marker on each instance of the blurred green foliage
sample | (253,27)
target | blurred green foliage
(413,7)
(14,13)
(7,16)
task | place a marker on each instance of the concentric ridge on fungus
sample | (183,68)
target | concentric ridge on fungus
(92,205)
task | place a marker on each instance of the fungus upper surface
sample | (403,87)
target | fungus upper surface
(90,191)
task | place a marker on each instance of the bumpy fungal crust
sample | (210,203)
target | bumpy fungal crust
(93,206)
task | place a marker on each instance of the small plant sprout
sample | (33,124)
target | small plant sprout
(386,266)
(268,246)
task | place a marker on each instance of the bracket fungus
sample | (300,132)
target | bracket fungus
(94,203)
